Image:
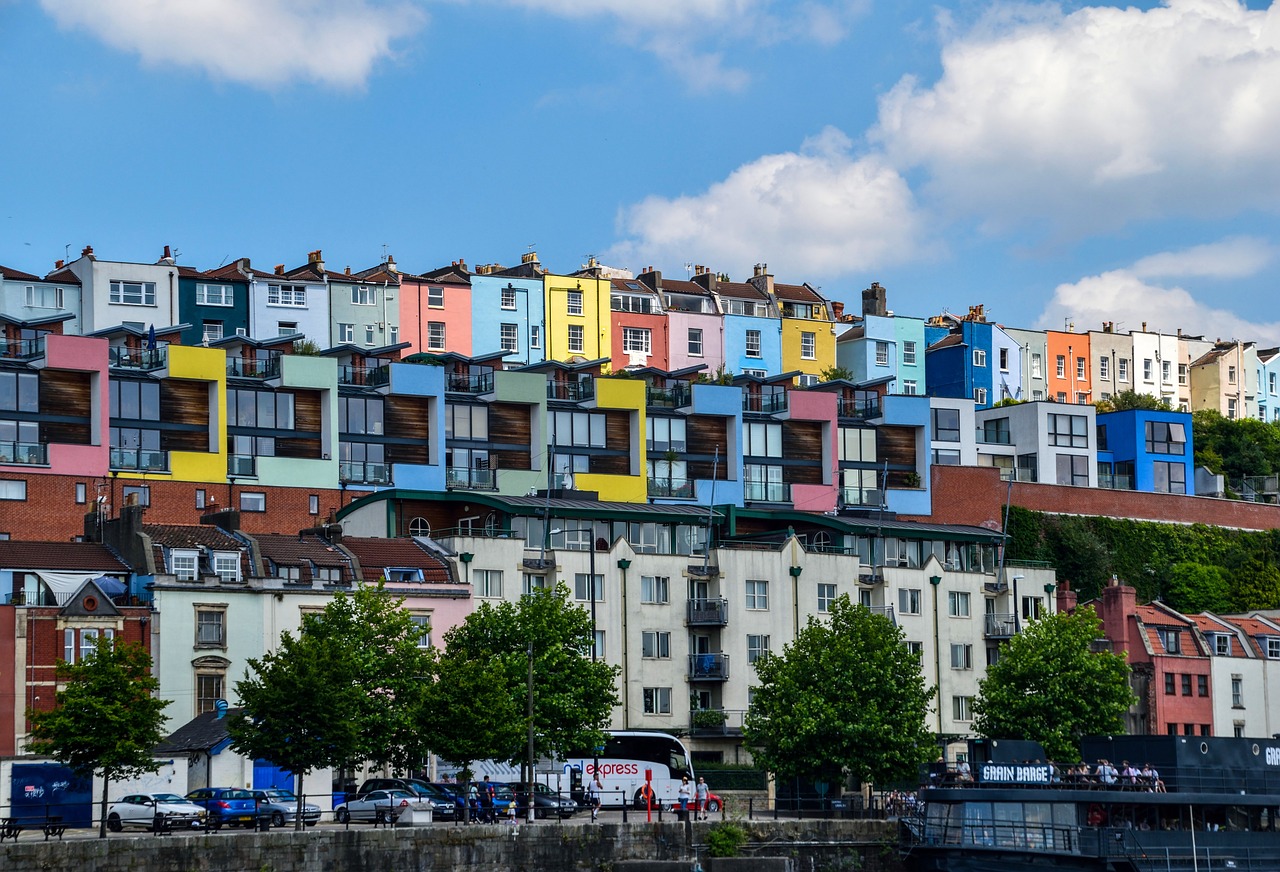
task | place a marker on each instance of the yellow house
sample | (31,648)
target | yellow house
(577,315)
(196,383)
(622,399)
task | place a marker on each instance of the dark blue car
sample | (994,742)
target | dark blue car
(229,806)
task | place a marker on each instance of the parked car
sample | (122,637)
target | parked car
(455,792)
(714,804)
(140,810)
(445,806)
(503,796)
(546,802)
(380,806)
(231,806)
(282,806)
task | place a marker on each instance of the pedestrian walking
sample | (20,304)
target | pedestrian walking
(702,794)
(594,790)
(683,796)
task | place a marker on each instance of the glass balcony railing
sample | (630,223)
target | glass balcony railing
(674,396)
(708,612)
(26,453)
(120,357)
(470,383)
(1000,625)
(1113,481)
(672,488)
(139,458)
(466,478)
(242,465)
(766,492)
(716,722)
(1008,474)
(364,473)
(993,437)
(708,667)
(868,407)
(365,376)
(571,391)
(22,349)
(256,367)
(765,404)
(868,497)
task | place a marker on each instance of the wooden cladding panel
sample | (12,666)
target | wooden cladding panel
(511,424)
(707,434)
(441,516)
(896,445)
(802,440)
(185,401)
(66,393)
(306,412)
(617,437)
(408,418)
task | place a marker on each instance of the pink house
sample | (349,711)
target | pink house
(435,309)
(816,410)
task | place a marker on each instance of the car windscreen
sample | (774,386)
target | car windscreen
(167,797)
(236,794)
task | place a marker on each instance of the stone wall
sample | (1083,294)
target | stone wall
(811,845)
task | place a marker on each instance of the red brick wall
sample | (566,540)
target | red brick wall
(1175,708)
(50,512)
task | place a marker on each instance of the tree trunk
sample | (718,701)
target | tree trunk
(102,824)
(297,822)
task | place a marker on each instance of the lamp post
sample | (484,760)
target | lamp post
(529,714)
(935,581)
(1017,605)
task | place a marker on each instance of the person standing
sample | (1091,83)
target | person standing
(702,794)
(683,796)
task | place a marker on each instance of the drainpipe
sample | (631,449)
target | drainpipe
(624,564)
(934,581)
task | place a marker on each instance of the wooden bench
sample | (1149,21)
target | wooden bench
(9,829)
(53,826)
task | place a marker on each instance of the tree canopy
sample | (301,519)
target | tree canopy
(106,718)
(846,693)
(476,706)
(1050,686)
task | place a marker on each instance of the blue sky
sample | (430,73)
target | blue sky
(1065,163)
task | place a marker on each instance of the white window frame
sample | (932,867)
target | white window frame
(657,700)
(827,593)
(962,708)
(206,296)
(637,340)
(40,300)
(535,335)
(487,583)
(909,353)
(293,296)
(576,338)
(980,396)
(753,343)
(655,589)
(346,332)
(1104,368)
(130,293)
(582,592)
(757,647)
(509,337)
(226,565)
(184,564)
(757,594)
(979,357)
(435,297)
(961,656)
(695,343)
(958,604)
(573,302)
(508,300)
(910,387)
(363,295)
(909,600)
(655,645)
(435,335)
(211,331)
(808,346)
(253,501)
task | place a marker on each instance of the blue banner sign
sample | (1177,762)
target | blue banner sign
(1013,773)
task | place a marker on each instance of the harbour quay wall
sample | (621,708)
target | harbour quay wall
(811,846)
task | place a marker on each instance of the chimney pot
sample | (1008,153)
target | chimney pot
(347,271)
(87,251)
(58,264)
(279,269)
(167,252)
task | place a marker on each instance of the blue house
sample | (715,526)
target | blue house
(214,304)
(971,358)
(507,313)
(1146,450)
(752,330)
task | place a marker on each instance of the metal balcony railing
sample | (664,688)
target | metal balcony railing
(674,488)
(766,491)
(120,357)
(572,391)
(671,397)
(887,611)
(467,478)
(716,722)
(22,349)
(375,376)
(708,667)
(869,497)
(708,612)
(25,453)
(470,383)
(139,458)
(765,404)
(867,407)
(256,367)
(1000,625)
(364,473)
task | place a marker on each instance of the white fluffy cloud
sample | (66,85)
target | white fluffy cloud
(817,211)
(256,42)
(1088,119)
(1129,298)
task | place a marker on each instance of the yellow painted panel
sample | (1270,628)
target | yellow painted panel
(620,488)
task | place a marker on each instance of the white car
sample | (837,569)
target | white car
(380,806)
(140,810)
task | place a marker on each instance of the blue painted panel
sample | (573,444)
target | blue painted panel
(40,790)
(267,775)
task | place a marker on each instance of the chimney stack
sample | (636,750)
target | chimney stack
(875,300)
(279,269)
(529,257)
(59,264)
(87,251)
(837,309)
(316,259)
(391,264)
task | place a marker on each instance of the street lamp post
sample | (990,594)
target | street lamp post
(529,714)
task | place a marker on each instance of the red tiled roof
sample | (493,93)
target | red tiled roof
(168,536)
(230,272)
(70,556)
(302,551)
(63,276)
(682,287)
(740,290)
(18,274)
(802,293)
(191,272)
(947,341)
(377,555)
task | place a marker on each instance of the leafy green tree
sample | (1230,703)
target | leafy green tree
(1194,587)
(289,701)
(1133,400)
(1050,686)
(106,718)
(836,373)
(485,670)
(845,694)
(1079,555)
(1255,585)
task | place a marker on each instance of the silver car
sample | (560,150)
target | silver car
(380,806)
(282,806)
(140,810)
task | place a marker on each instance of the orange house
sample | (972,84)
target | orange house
(1069,374)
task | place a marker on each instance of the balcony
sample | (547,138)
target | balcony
(365,376)
(672,488)
(765,403)
(141,359)
(766,491)
(1019,474)
(861,497)
(1112,481)
(467,478)
(716,722)
(24,453)
(139,459)
(708,667)
(470,383)
(708,612)
(242,465)
(571,391)
(253,367)
(22,349)
(1000,625)
(356,472)
(993,437)
(866,407)
(673,396)
(885,611)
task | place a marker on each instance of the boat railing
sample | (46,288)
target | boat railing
(1014,835)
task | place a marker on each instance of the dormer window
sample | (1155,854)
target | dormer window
(1273,648)
(1222,644)
(1172,640)
(184,564)
(226,565)
(403,574)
